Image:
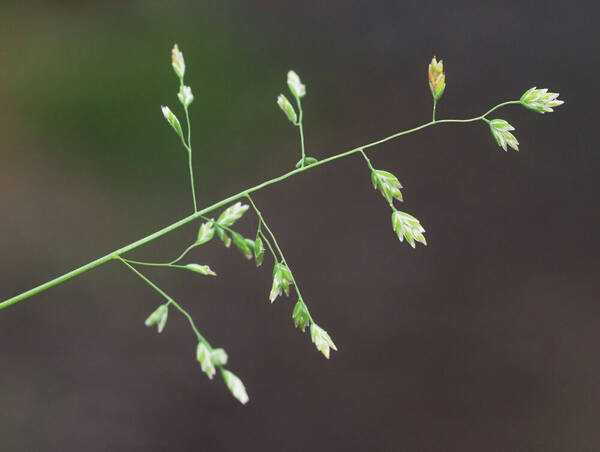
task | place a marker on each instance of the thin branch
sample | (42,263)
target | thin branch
(189,149)
(115,254)
(278,248)
(170,301)
(301,128)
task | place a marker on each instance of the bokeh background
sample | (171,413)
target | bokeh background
(485,340)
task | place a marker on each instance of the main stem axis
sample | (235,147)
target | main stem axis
(198,214)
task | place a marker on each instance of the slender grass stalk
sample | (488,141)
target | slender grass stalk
(198,214)
(277,247)
(301,128)
(170,301)
(191,167)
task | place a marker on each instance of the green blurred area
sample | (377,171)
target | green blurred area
(94,102)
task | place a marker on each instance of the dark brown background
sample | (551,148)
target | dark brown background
(485,340)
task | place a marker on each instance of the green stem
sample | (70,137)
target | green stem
(115,254)
(434,105)
(503,104)
(269,245)
(301,128)
(188,146)
(152,264)
(167,264)
(367,160)
(192,324)
(277,247)
(258,230)
(150,283)
(264,223)
(170,301)
(148,264)
(182,255)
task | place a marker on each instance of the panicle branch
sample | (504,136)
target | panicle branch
(406,226)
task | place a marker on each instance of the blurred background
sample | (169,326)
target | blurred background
(485,340)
